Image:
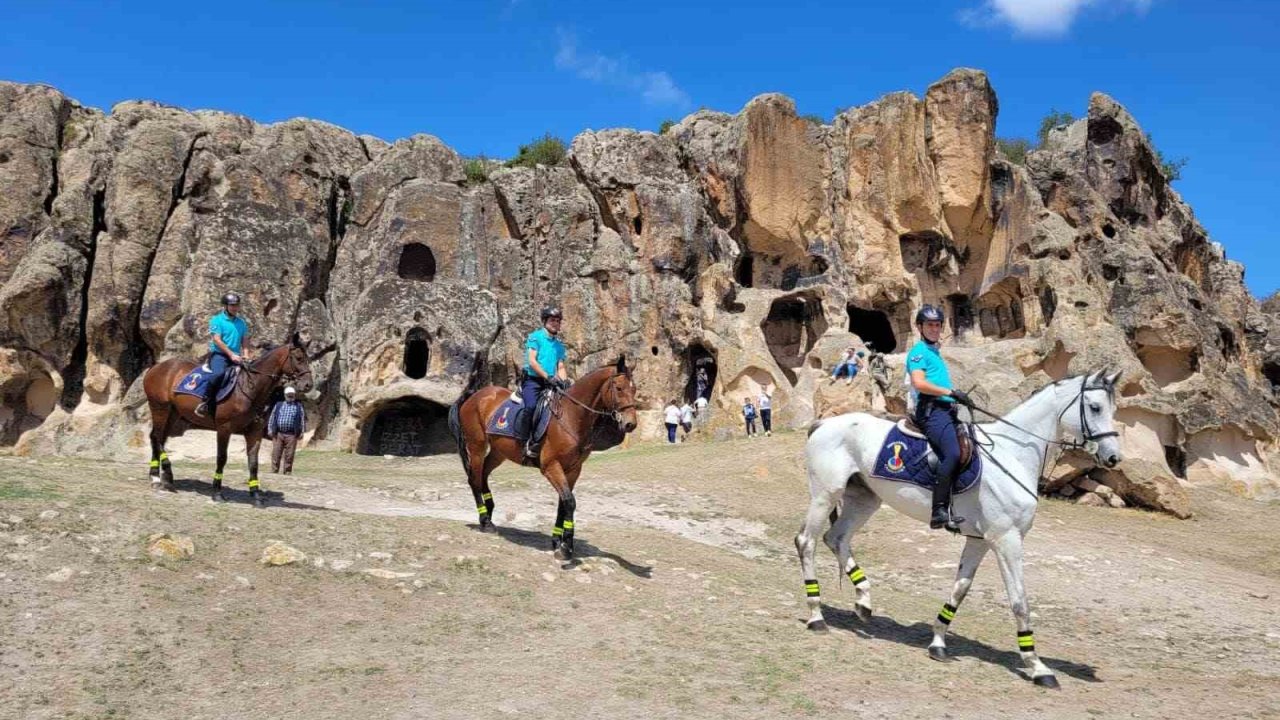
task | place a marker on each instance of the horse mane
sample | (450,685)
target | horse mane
(1111,391)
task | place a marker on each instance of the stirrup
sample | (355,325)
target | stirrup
(202,410)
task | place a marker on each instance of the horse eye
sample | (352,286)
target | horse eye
(1095,407)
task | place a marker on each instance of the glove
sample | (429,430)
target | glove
(560,384)
(962,397)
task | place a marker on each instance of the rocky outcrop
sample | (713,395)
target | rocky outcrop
(755,245)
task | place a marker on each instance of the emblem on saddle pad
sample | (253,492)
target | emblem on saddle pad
(502,419)
(895,463)
(192,382)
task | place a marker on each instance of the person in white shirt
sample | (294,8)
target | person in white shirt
(699,405)
(671,416)
(686,418)
(765,405)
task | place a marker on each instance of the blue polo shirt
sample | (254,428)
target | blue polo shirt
(232,330)
(547,349)
(925,356)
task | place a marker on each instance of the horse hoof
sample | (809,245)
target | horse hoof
(819,626)
(1047,681)
(563,553)
(939,653)
(487,526)
(863,612)
(259,502)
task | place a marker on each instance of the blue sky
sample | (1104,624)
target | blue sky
(1200,76)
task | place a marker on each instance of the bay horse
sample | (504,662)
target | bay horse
(606,394)
(842,451)
(241,413)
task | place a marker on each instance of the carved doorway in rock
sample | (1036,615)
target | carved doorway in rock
(417,353)
(874,327)
(700,369)
(407,426)
(417,262)
(24,404)
(790,330)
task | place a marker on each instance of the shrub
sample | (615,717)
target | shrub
(814,118)
(1055,118)
(546,150)
(477,169)
(1014,149)
(1172,167)
(665,126)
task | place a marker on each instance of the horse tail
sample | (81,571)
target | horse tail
(455,427)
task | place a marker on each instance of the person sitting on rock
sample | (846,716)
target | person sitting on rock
(228,334)
(848,365)
(543,367)
(935,413)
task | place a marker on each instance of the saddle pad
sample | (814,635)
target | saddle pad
(195,382)
(908,458)
(509,421)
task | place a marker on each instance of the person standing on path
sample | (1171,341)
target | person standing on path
(766,412)
(671,416)
(686,418)
(749,414)
(288,423)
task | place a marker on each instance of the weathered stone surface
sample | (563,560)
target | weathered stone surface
(758,245)
(173,547)
(277,553)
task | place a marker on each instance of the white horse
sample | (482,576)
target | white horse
(842,451)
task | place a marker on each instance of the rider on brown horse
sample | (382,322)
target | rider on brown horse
(543,367)
(229,334)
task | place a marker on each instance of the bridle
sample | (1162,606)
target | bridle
(290,378)
(615,413)
(1089,439)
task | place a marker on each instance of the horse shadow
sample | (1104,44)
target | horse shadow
(920,634)
(274,498)
(538,540)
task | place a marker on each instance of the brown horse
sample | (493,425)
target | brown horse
(605,395)
(241,413)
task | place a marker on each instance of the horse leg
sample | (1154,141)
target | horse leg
(1008,549)
(159,419)
(570,507)
(557,530)
(479,468)
(830,466)
(562,533)
(166,469)
(252,444)
(859,504)
(974,550)
(223,438)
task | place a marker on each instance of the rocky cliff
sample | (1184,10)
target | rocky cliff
(758,244)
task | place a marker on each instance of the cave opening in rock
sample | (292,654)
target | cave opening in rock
(874,327)
(417,353)
(1271,369)
(1176,457)
(700,368)
(961,307)
(790,330)
(24,405)
(1227,342)
(1000,312)
(744,273)
(417,262)
(407,426)
(1166,364)
(1048,303)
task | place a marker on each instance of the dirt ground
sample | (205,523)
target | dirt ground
(687,600)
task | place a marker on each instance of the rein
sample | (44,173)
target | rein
(615,414)
(1089,444)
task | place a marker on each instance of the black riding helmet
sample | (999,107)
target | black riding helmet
(551,312)
(928,312)
(231,299)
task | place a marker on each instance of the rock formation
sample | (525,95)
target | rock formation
(759,244)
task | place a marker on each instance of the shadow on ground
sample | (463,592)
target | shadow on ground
(538,540)
(275,498)
(881,627)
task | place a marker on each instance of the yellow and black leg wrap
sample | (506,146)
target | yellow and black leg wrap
(253,484)
(947,614)
(217,478)
(155,465)
(486,497)
(1026,641)
(557,531)
(811,588)
(856,575)
(568,528)
(482,510)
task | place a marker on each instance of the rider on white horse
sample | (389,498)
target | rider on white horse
(935,413)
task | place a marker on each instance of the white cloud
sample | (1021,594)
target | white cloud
(1041,18)
(654,87)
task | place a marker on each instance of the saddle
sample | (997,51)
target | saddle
(906,456)
(196,381)
(512,419)
(964,436)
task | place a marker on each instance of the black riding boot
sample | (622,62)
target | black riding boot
(210,405)
(942,517)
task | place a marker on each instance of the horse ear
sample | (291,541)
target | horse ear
(1114,379)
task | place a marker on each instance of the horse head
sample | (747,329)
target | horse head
(1093,417)
(620,396)
(296,368)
